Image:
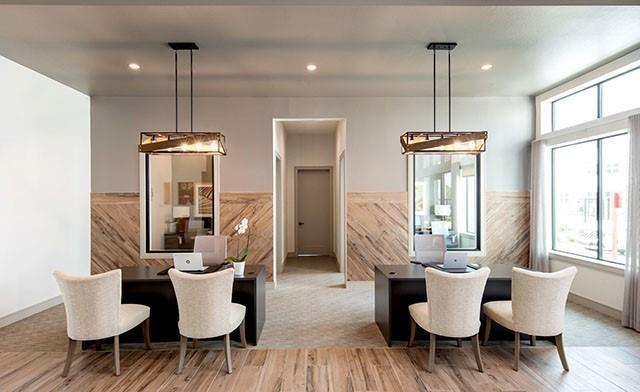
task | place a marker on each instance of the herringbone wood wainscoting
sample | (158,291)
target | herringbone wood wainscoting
(377,230)
(115,228)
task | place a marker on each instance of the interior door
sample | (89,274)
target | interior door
(313,211)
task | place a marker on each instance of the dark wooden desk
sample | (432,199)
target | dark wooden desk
(143,285)
(398,286)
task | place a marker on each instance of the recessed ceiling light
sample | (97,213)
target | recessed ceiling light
(486,67)
(312,67)
(134,66)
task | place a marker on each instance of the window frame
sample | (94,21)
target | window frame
(145,252)
(599,198)
(598,86)
(479,251)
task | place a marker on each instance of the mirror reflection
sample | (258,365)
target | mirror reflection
(179,201)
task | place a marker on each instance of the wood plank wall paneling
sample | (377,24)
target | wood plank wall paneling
(507,223)
(376,229)
(258,208)
(377,234)
(115,232)
(115,228)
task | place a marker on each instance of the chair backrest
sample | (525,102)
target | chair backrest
(212,247)
(204,302)
(539,300)
(429,248)
(454,301)
(92,304)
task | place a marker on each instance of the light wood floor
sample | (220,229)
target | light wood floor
(331,369)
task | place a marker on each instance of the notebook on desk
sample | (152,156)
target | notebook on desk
(208,269)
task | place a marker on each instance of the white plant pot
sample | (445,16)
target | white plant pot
(238,268)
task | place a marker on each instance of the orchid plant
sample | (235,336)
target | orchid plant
(241,229)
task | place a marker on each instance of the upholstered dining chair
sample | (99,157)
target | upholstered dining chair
(537,307)
(212,247)
(429,248)
(94,312)
(452,309)
(206,311)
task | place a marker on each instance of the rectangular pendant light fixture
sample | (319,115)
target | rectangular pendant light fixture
(427,142)
(189,143)
(199,143)
(438,142)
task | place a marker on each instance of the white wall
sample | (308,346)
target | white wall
(373,146)
(601,285)
(304,150)
(45,177)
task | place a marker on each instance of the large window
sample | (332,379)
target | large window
(589,198)
(446,198)
(179,201)
(611,96)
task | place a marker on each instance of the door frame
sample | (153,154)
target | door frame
(298,169)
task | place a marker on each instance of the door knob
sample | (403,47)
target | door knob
(300,223)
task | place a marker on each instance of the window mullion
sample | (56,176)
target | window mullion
(599,202)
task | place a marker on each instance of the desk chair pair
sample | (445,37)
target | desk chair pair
(94,310)
(454,302)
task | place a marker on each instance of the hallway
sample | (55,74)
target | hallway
(311,308)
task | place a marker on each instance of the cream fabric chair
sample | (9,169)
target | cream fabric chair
(94,311)
(429,248)
(212,247)
(205,309)
(536,309)
(452,309)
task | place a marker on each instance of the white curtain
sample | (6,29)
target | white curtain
(631,308)
(540,229)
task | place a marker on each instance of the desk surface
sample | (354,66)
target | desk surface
(416,271)
(149,273)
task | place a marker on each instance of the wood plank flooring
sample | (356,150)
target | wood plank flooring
(328,369)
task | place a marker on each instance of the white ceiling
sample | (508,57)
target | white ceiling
(252,50)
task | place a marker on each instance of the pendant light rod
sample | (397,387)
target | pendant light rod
(434,89)
(175,77)
(191,84)
(449,73)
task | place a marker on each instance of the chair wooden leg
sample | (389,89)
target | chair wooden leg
(195,343)
(70,351)
(487,331)
(412,333)
(516,358)
(243,334)
(532,339)
(227,352)
(183,353)
(116,353)
(98,345)
(432,352)
(459,342)
(145,333)
(475,344)
(561,353)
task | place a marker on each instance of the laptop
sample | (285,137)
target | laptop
(454,261)
(188,262)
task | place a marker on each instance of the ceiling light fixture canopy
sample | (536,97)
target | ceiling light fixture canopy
(184,143)
(440,142)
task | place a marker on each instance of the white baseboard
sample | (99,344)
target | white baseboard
(30,311)
(598,307)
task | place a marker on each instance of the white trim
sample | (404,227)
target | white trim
(482,223)
(591,130)
(30,311)
(606,71)
(587,261)
(597,306)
